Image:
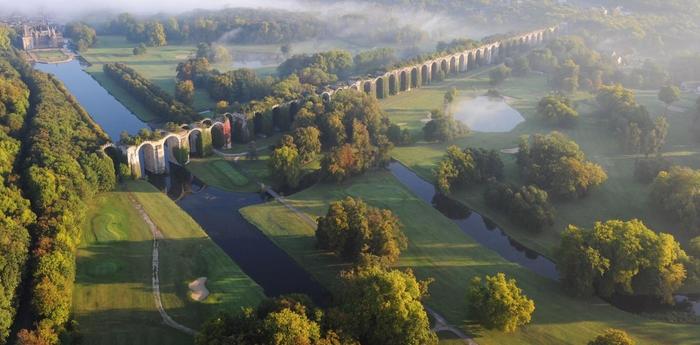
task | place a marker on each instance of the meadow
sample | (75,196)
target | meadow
(113,299)
(438,249)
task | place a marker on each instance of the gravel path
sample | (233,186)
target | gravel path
(155,281)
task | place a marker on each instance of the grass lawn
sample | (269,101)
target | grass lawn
(439,249)
(220,173)
(619,197)
(50,55)
(113,300)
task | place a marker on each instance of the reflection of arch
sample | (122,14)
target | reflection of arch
(379,87)
(424,75)
(403,85)
(393,88)
(414,77)
(462,63)
(368,87)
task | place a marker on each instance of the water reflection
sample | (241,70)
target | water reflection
(473,224)
(217,212)
(111,115)
(487,114)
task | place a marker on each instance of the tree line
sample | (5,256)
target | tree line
(61,169)
(155,98)
(17,215)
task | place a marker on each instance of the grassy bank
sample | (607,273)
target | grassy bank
(439,249)
(113,300)
(620,197)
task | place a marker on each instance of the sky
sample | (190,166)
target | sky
(75,7)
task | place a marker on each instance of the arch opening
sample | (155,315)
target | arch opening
(368,87)
(414,77)
(393,89)
(403,81)
(424,75)
(379,86)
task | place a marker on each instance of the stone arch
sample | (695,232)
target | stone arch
(434,70)
(148,158)
(393,85)
(293,110)
(445,66)
(326,97)
(218,135)
(462,63)
(453,65)
(415,82)
(195,141)
(367,87)
(425,75)
(171,143)
(207,122)
(471,61)
(403,81)
(380,88)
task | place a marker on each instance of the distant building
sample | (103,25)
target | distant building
(41,36)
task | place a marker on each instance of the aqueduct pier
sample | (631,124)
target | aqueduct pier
(196,138)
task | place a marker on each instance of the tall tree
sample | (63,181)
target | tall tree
(669,94)
(285,165)
(384,307)
(497,302)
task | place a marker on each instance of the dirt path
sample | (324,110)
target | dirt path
(440,323)
(155,278)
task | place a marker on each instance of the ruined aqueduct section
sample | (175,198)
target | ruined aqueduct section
(153,155)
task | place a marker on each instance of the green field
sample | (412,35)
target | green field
(619,197)
(113,300)
(50,55)
(439,249)
(219,173)
(159,64)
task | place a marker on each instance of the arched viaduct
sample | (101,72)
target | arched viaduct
(423,73)
(198,138)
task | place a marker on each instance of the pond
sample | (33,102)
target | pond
(106,110)
(487,114)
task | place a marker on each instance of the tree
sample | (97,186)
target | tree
(285,166)
(620,257)
(140,49)
(461,168)
(443,127)
(384,307)
(528,205)
(450,96)
(82,35)
(612,337)
(567,76)
(669,94)
(287,327)
(557,110)
(557,164)
(677,192)
(184,91)
(307,140)
(5,36)
(286,49)
(521,66)
(498,303)
(356,231)
(155,34)
(499,74)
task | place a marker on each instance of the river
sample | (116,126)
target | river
(215,210)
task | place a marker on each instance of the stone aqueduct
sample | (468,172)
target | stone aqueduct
(153,155)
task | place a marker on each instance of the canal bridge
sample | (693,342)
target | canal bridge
(199,138)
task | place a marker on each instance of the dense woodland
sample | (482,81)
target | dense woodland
(155,98)
(60,169)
